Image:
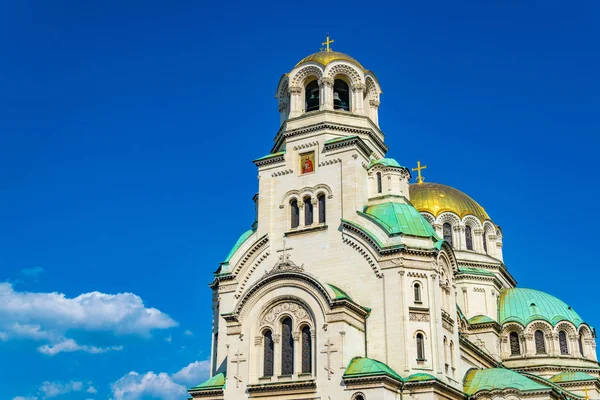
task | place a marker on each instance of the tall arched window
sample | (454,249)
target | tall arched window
(321,199)
(447,231)
(515,346)
(312,96)
(445,350)
(420,347)
(562,342)
(308,211)
(451,354)
(306,351)
(540,343)
(469,237)
(485,242)
(417,288)
(581,345)
(341,95)
(287,347)
(295,213)
(379,188)
(268,352)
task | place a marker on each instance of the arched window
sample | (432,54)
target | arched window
(321,199)
(515,346)
(581,345)
(417,288)
(420,347)
(312,96)
(451,354)
(445,350)
(287,347)
(341,95)
(469,237)
(563,344)
(379,188)
(268,351)
(447,232)
(295,213)
(540,343)
(308,211)
(485,242)
(306,351)
(358,397)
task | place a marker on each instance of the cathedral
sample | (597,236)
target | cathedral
(355,284)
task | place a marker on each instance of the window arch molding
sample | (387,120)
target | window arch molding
(308,72)
(417,286)
(358,396)
(305,191)
(539,326)
(346,71)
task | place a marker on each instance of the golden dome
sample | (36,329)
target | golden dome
(325,57)
(436,199)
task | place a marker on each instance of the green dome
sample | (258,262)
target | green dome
(400,218)
(526,305)
(386,162)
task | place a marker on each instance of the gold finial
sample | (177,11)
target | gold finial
(420,178)
(327,43)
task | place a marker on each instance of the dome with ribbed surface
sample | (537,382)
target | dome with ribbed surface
(326,57)
(527,305)
(436,199)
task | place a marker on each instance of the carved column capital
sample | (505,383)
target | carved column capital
(374,103)
(325,81)
(295,89)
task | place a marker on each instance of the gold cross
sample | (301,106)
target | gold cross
(420,178)
(327,43)
(587,397)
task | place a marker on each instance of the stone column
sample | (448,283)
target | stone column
(459,237)
(326,93)
(296,103)
(436,327)
(276,355)
(297,353)
(478,240)
(374,114)
(358,99)
(403,314)
(439,229)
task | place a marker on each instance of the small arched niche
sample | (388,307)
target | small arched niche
(341,94)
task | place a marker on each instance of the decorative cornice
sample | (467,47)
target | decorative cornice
(283,386)
(347,142)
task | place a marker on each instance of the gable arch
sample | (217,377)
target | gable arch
(372,88)
(448,217)
(567,327)
(352,73)
(472,221)
(299,77)
(539,326)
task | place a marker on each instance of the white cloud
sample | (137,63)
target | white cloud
(34,272)
(168,339)
(120,313)
(187,332)
(3,336)
(69,346)
(25,398)
(194,374)
(91,389)
(52,389)
(134,386)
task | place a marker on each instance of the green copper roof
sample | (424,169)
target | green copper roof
(480,319)
(400,218)
(474,271)
(526,305)
(571,377)
(490,379)
(386,162)
(216,382)
(339,293)
(272,155)
(363,366)
(237,244)
(420,377)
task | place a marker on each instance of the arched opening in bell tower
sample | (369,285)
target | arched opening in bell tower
(311,95)
(341,95)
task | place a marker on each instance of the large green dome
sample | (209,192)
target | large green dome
(527,305)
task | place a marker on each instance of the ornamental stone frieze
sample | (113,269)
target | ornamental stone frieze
(418,317)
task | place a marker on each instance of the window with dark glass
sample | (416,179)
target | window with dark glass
(321,199)
(379,188)
(359,397)
(341,95)
(268,352)
(306,351)
(308,211)
(581,345)
(447,231)
(540,343)
(295,213)
(420,347)
(287,347)
(417,288)
(485,242)
(312,96)
(563,344)
(515,346)
(469,237)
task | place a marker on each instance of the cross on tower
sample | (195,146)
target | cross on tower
(327,43)
(420,178)
(329,350)
(284,256)
(238,360)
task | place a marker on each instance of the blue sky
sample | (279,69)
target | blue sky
(127,130)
